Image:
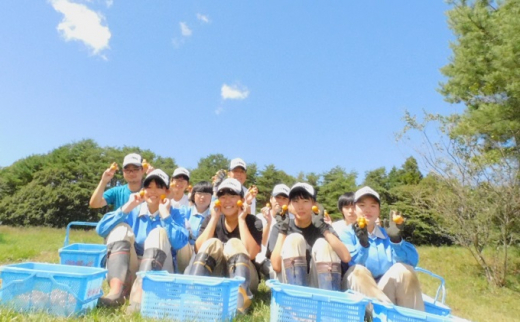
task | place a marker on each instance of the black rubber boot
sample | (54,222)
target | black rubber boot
(296,270)
(153,259)
(238,265)
(203,265)
(118,264)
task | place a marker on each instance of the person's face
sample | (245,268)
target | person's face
(152,193)
(133,174)
(368,207)
(239,174)
(202,200)
(278,201)
(302,208)
(349,213)
(179,184)
(228,204)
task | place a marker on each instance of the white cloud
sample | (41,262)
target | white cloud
(185,30)
(234,92)
(81,23)
(109,3)
(203,18)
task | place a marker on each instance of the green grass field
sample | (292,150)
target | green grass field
(468,294)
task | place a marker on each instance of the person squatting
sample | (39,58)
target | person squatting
(213,231)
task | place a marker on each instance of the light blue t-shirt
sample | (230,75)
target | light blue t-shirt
(117,196)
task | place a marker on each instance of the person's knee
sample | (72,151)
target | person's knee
(233,247)
(213,247)
(403,272)
(294,246)
(122,232)
(322,252)
(157,238)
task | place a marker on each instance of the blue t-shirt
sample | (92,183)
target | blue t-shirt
(117,196)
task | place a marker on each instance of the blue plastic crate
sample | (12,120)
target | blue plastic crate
(393,313)
(189,298)
(83,254)
(57,289)
(290,303)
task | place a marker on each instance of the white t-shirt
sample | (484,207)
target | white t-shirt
(184,201)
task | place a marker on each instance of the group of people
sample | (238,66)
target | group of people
(213,231)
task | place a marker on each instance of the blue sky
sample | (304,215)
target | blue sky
(305,85)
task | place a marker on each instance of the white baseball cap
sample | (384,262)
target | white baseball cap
(181,171)
(132,159)
(231,184)
(303,187)
(280,189)
(237,162)
(159,174)
(366,191)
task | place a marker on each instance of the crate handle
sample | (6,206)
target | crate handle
(441,290)
(18,281)
(78,223)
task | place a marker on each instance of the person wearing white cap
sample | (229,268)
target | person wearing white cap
(238,171)
(142,234)
(306,251)
(117,196)
(279,197)
(382,264)
(179,183)
(230,240)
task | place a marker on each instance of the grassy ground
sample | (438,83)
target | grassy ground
(468,294)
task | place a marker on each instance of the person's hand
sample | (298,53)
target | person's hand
(219,177)
(252,192)
(266,213)
(164,207)
(318,221)
(361,234)
(149,169)
(133,201)
(243,210)
(327,218)
(108,174)
(394,226)
(282,221)
(216,210)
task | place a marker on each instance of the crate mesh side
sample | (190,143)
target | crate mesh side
(188,302)
(288,308)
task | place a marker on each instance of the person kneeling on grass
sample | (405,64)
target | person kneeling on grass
(230,240)
(305,250)
(142,234)
(382,264)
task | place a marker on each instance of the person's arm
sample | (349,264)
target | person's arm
(276,255)
(405,252)
(356,241)
(97,200)
(173,222)
(252,247)
(339,248)
(208,228)
(282,228)
(112,219)
(266,213)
